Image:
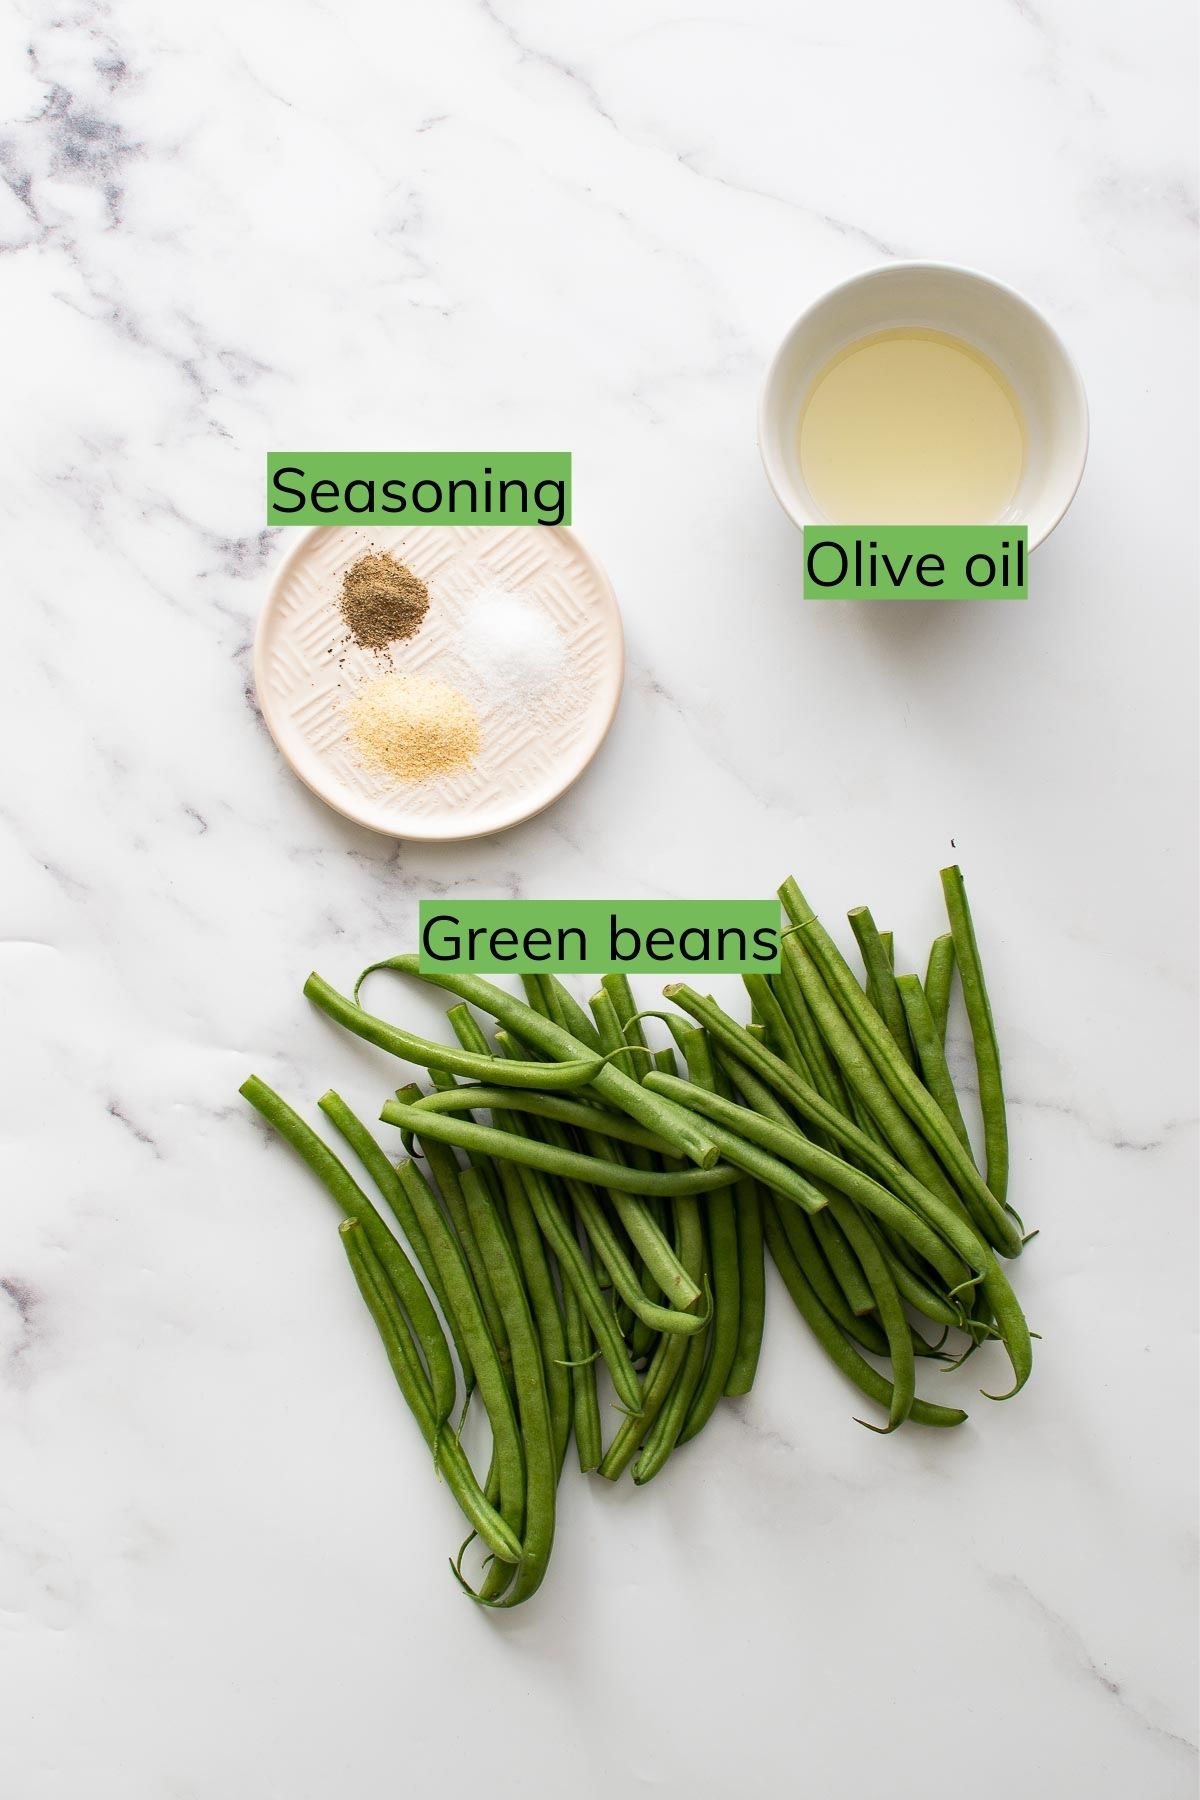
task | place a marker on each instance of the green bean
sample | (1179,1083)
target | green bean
(534,1262)
(843,1264)
(822,1070)
(748,1156)
(537,992)
(611,1005)
(544,1303)
(891,1316)
(640,1335)
(643,1230)
(721,1224)
(986,1209)
(338,1181)
(444,1167)
(568,1111)
(881,983)
(779,1032)
(383,1173)
(800,1232)
(578,1276)
(533,1407)
(837,1233)
(665,1433)
(983,1032)
(607,1246)
(918,1292)
(721,1221)
(942,1246)
(875,1386)
(759,1097)
(772,1070)
(644,1233)
(465,1315)
(469,1033)
(427,1053)
(605,1242)
(670,1355)
(547,995)
(889,949)
(938,977)
(585,1407)
(953,1240)
(617,1089)
(864,1081)
(447,1453)
(570,1015)
(930,1054)
(536,1155)
(615,1007)
(748,1202)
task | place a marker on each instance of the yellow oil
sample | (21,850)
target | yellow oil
(912,427)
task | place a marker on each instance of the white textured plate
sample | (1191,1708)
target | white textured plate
(305,667)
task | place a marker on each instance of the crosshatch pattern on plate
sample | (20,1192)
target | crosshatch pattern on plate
(313,667)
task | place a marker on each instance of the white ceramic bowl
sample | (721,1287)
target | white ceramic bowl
(939,297)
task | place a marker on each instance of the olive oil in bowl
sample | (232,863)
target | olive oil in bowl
(911,427)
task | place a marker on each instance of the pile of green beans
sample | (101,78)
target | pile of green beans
(578,1229)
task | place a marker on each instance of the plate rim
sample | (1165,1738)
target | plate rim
(426,836)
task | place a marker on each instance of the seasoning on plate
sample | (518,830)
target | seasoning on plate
(412,728)
(382,600)
(512,648)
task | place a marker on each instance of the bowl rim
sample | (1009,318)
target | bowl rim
(926,265)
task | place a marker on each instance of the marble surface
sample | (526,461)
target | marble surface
(239,226)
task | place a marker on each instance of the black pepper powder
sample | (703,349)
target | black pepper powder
(382,600)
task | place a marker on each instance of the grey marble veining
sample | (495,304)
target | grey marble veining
(239,227)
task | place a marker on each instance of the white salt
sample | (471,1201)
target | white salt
(512,649)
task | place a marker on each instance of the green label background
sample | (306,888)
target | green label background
(594,918)
(955,544)
(410,467)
